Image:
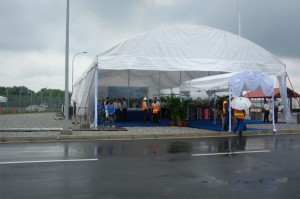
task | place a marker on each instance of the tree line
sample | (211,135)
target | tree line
(23,90)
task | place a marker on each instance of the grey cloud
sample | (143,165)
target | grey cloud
(31,25)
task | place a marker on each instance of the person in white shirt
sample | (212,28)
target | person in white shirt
(267,111)
(118,107)
(106,103)
(124,110)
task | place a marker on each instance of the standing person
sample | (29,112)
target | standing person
(155,110)
(111,114)
(267,111)
(144,109)
(100,111)
(163,108)
(225,112)
(106,103)
(159,109)
(239,123)
(276,111)
(124,110)
(118,108)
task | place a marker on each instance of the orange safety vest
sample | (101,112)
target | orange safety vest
(144,105)
(224,107)
(155,108)
(239,114)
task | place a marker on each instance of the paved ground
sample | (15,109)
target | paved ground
(47,126)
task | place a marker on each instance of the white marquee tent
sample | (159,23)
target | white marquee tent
(165,58)
(3,99)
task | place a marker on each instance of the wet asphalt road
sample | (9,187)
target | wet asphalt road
(248,167)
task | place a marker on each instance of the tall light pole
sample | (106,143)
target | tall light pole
(84,52)
(239,18)
(66,129)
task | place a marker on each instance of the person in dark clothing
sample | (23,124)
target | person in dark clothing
(225,112)
(124,110)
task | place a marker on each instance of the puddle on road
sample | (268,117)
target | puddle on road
(179,147)
(261,181)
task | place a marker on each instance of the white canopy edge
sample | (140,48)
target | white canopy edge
(214,82)
(250,80)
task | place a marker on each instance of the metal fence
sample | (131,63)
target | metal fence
(31,103)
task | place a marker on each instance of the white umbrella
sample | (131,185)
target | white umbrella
(3,99)
(241,103)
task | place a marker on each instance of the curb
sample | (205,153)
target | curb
(138,136)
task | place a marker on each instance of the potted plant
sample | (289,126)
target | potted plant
(185,105)
(174,106)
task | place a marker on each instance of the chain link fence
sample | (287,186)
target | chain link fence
(31,103)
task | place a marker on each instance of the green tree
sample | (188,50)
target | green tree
(15,90)
(52,92)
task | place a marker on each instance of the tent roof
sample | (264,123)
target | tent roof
(260,94)
(214,82)
(189,48)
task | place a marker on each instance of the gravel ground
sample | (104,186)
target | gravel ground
(46,121)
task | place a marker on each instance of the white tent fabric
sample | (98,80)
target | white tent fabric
(207,83)
(245,80)
(250,80)
(165,58)
(189,48)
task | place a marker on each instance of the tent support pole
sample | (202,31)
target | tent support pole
(229,110)
(215,109)
(273,114)
(159,86)
(179,87)
(96,95)
(128,88)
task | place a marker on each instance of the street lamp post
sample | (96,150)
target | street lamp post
(73,67)
(66,129)
(7,100)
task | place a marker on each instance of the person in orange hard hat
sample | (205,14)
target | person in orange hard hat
(144,109)
(155,110)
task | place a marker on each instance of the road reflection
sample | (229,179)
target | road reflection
(176,146)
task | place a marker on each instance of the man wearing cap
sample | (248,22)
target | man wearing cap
(225,113)
(144,109)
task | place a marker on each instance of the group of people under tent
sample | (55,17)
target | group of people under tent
(239,115)
(111,111)
(158,109)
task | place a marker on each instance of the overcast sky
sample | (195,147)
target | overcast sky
(33,32)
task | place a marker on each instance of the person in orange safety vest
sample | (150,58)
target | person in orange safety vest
(144,109)
(239,124)
(155,109)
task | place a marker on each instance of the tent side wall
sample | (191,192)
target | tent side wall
(283,93)
(83,92)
